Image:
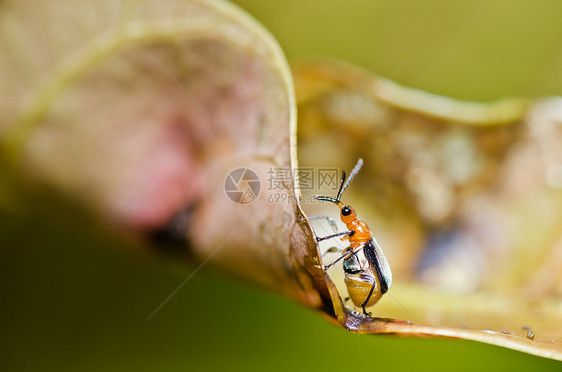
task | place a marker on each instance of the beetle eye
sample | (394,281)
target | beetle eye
(346,211)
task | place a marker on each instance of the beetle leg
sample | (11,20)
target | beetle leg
(344,254)
(349,232)
(368,298)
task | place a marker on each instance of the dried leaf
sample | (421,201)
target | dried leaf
(144,115)
(145,110)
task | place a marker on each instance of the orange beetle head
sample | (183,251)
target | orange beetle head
(347,214)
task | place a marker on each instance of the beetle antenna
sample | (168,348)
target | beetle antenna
(326,198)
(351,176)
(340,191)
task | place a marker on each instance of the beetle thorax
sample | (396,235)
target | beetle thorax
(362,232)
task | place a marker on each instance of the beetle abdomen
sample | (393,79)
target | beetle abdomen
(359,287)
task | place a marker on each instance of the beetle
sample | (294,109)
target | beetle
(367,273)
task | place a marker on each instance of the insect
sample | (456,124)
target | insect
(367,273)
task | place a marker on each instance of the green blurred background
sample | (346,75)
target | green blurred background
(75,297)
(471,50)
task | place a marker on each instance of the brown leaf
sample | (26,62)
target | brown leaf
(144,115)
